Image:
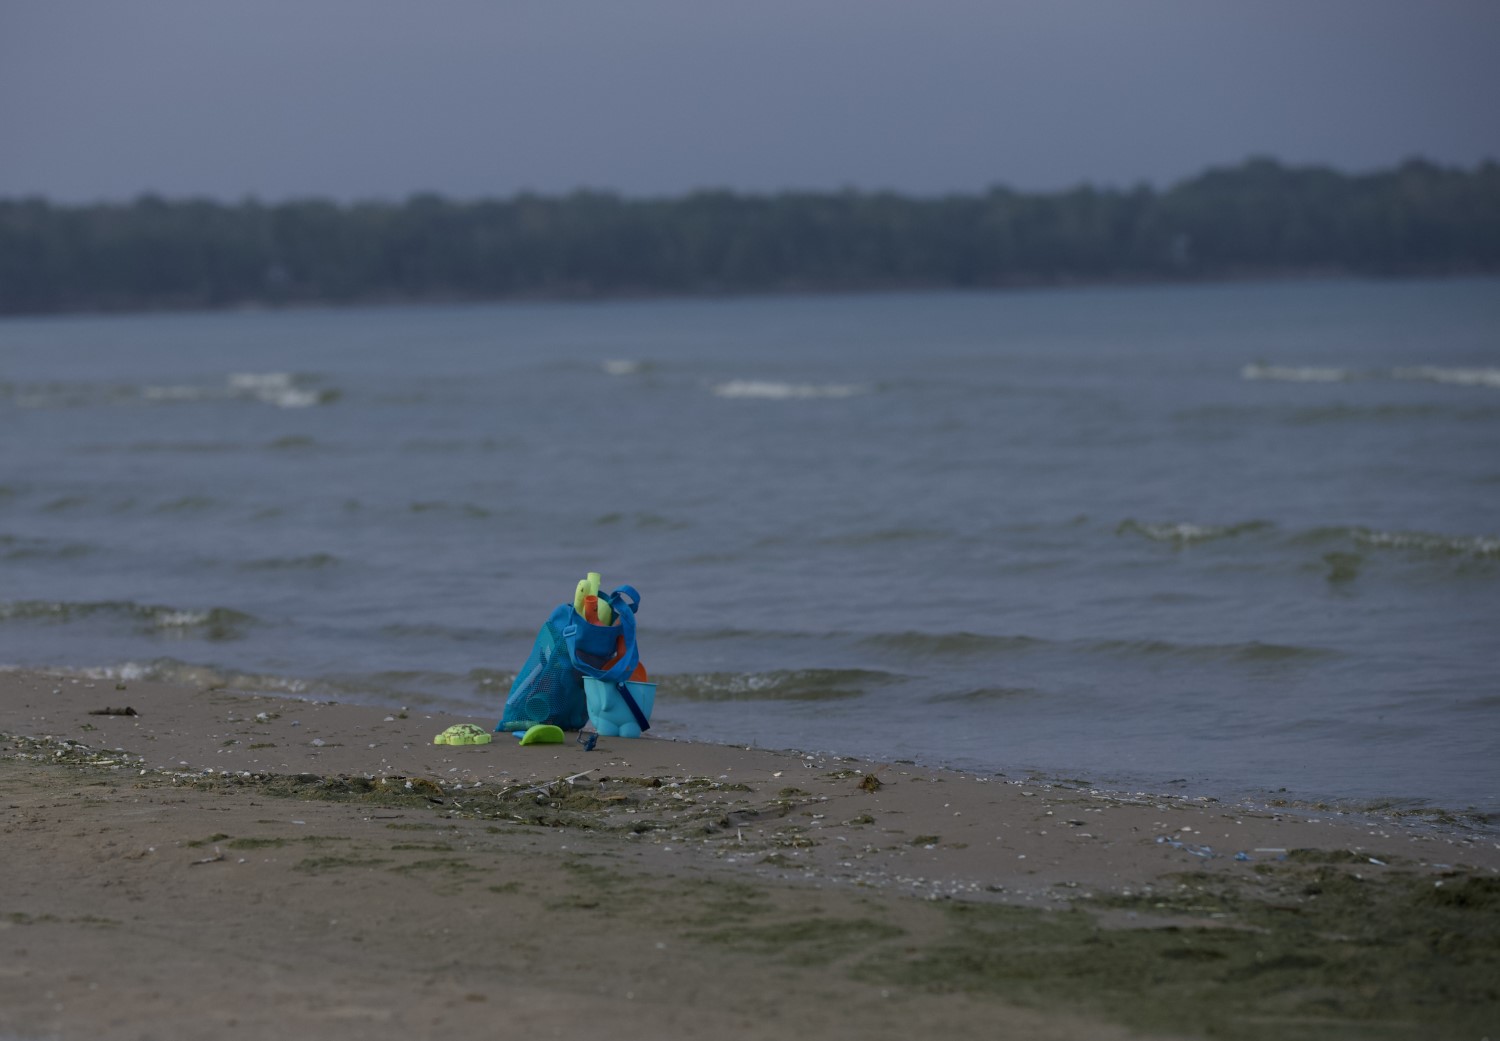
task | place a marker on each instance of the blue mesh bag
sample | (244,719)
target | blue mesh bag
(549,687)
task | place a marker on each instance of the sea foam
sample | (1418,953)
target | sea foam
(774,390)
(1489,377)
(1183,533)
(1480,547)
(276,388)
(1296,373)
(1461,377)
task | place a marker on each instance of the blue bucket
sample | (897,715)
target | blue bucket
(609,713)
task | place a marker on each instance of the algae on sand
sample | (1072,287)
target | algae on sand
(318,865)
(809,940)
(1307,953)
(1323,945)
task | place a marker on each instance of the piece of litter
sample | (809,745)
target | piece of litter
(1206,852)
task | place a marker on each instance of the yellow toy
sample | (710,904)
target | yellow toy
(587,603)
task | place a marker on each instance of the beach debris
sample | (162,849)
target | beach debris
(870,783)
(218,856)
(126,711)
(1206,852)
(65,750)
(546,788)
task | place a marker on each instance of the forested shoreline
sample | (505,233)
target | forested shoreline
(1258,219)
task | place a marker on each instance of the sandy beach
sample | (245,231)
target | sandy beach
(223,863)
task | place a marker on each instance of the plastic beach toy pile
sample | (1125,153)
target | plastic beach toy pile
(584,671)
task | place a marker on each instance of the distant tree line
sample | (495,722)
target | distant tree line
(1256,219)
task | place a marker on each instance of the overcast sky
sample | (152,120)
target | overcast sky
(379,99)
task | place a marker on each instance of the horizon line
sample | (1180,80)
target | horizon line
(1142,184)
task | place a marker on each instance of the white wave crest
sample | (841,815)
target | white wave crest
(1183,533)
(282,389)
(181,393)
(623,367)
(167,619)
(258,382)
(786,391)
(129,671)
(274,388)
(1462,377)
(169,670)
(1483,547)
(1296,373)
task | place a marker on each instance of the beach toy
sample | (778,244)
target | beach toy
(639,675)
(542,734)
(611,714)
(587,602)
(572,643)
(462,734)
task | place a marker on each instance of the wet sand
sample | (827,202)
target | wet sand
(229,863)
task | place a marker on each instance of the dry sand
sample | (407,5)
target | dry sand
(230,864)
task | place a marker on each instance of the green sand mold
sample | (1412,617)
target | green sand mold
(543,734)
(463,734)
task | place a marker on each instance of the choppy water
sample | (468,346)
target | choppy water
(1246,536)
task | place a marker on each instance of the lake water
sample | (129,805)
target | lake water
(1235,539)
